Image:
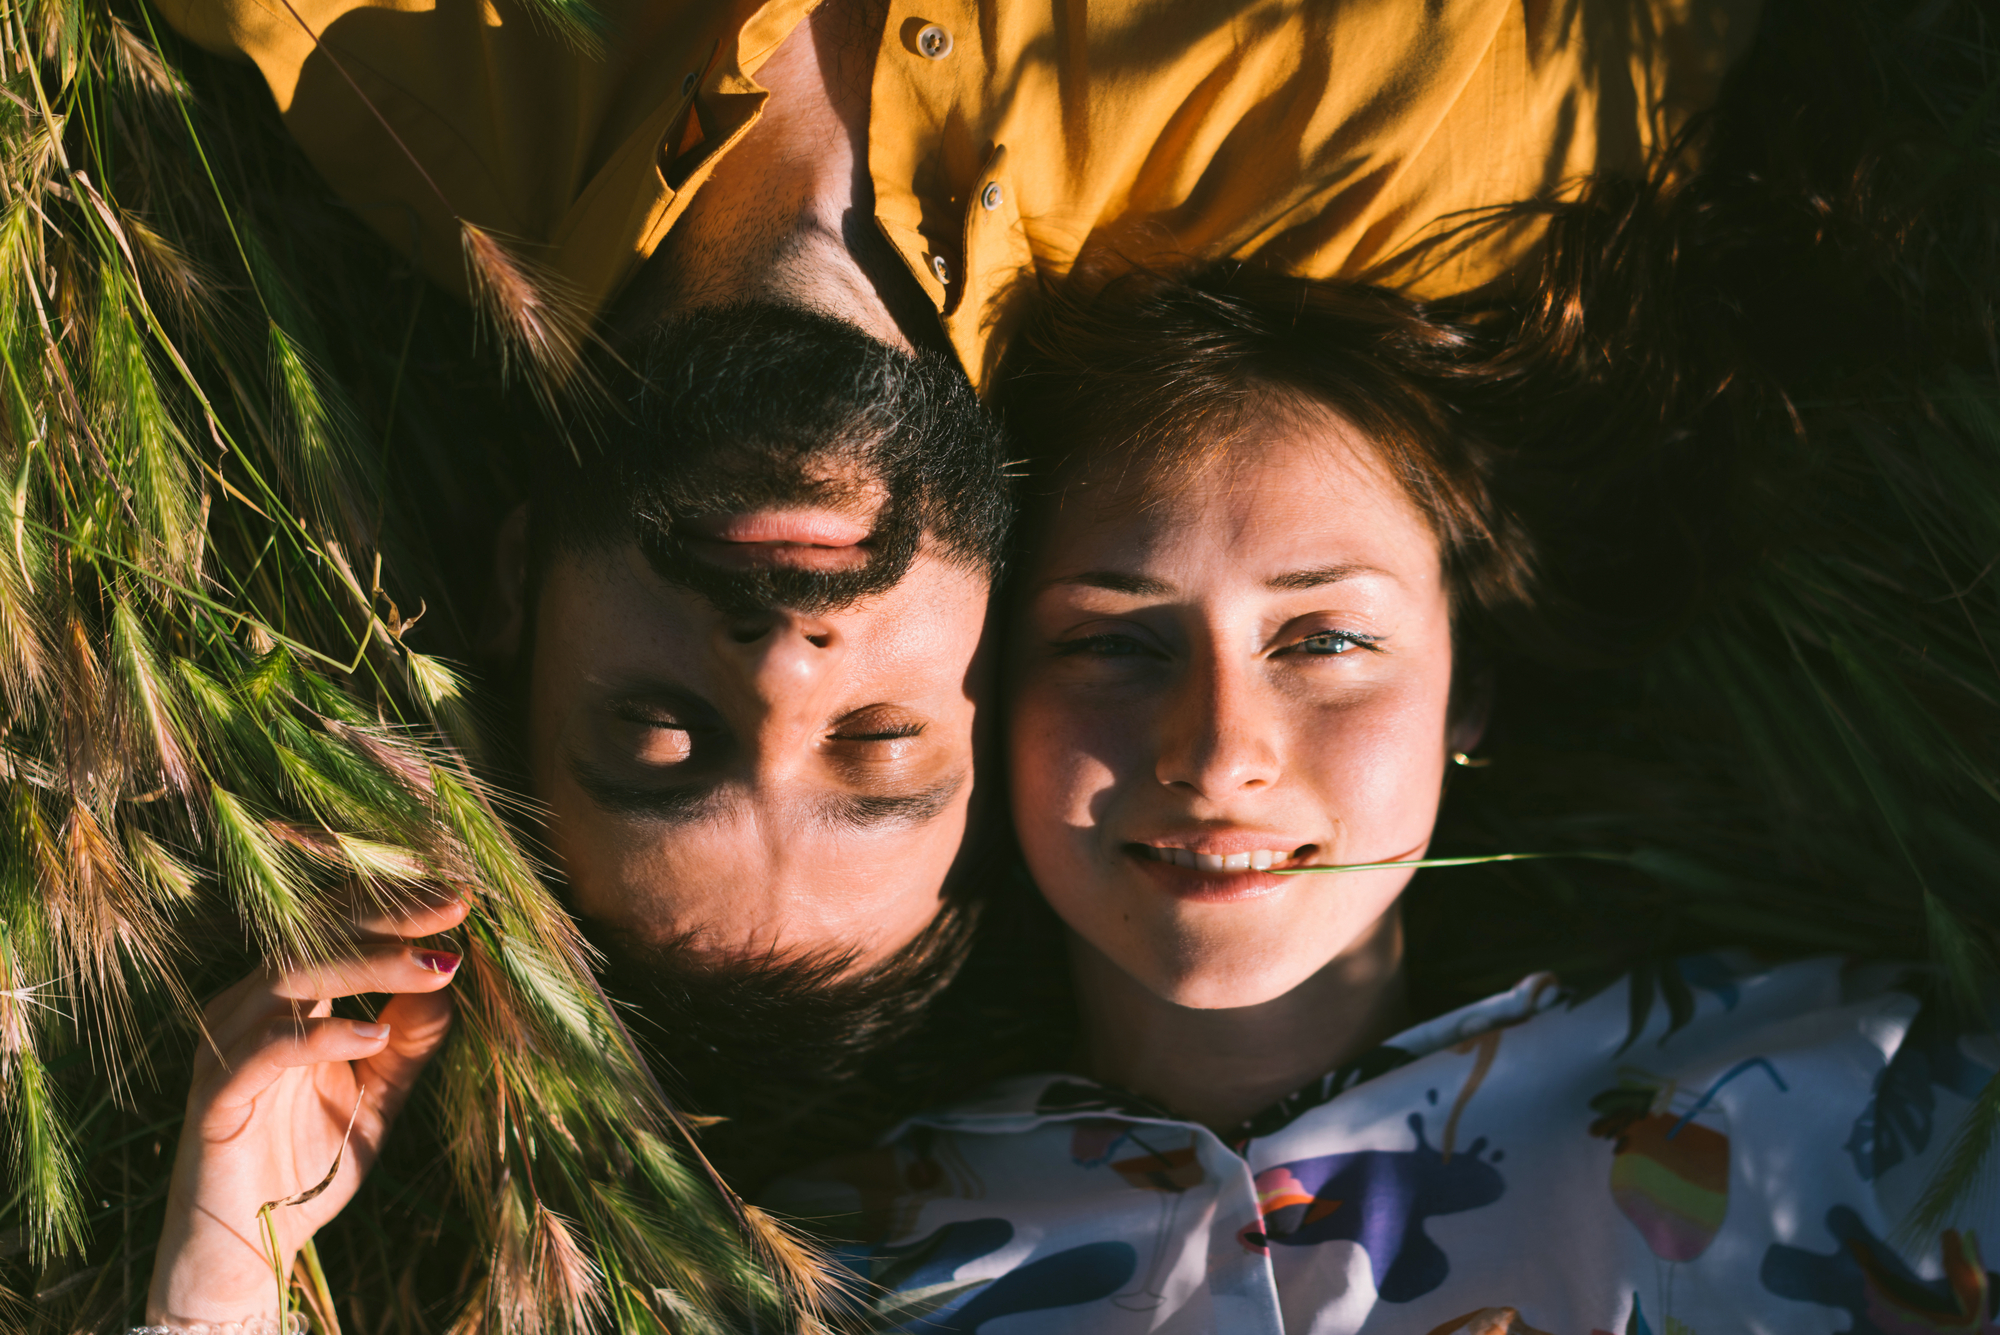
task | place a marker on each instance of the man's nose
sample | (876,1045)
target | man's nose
(1219,733)
(784,655)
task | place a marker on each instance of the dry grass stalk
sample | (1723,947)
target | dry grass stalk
(91,759)
(103,930)
(20,995)
(140,64)
(569,1282)
(392,757)
(149,701)
(542,332)
(809,1276)
(24,654)
(190,288)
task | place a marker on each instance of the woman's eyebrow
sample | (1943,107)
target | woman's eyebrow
(1313,579)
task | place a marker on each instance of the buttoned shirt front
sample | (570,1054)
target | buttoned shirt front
(1340,138)
(1723,1149)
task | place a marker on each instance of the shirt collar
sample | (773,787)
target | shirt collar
(1028,1101)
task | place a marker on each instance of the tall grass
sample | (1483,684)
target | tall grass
(214,730)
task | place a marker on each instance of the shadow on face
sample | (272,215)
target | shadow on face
(755,783)
(1250,674)
(1261,523)
(755,622)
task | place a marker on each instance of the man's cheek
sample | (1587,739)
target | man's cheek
(618,870)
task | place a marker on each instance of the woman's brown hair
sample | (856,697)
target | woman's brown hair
(1151,378)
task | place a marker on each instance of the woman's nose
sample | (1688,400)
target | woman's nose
(1218,736)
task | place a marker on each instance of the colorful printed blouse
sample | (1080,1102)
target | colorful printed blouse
(1708,1149)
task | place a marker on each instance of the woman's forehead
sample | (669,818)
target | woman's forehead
(1285,479)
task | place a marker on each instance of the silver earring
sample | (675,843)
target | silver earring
(1470,761)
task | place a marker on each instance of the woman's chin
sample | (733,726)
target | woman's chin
(1202,960)
(1224,982)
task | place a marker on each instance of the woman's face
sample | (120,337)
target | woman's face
(1252,673)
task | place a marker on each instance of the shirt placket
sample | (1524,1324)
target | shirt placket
(996,259)
(1241,1285)
(943,194)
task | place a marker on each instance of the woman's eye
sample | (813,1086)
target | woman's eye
(1327,642)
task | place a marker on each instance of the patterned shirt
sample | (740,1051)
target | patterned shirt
(1700,1149)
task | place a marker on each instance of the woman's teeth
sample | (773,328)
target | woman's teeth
(1257,859)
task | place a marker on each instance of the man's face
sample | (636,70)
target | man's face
(763,782)
(758,621)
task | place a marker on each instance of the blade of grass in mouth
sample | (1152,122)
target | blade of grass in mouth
(1593,855)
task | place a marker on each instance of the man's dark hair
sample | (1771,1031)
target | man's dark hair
(794,1054)
(736,409)
(759,405)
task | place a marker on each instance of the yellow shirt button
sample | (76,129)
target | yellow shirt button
(989,198)
(941,269)
(933,43)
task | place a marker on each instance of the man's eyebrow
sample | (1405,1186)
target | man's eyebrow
(866,812)
(1117,581)
(672,804)
(1312,579)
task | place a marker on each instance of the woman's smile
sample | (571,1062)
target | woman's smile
(1210,878)
(1241,676)
(1217,866)
(1199,869)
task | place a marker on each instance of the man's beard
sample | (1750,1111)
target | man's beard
(738,483)
(763,407)
(777,1047)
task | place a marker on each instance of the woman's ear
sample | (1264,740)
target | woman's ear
(1471,708)
(505,616)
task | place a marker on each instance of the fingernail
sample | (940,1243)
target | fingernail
(370,1029)
(437,961)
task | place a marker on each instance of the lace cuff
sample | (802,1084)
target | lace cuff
(295,1324)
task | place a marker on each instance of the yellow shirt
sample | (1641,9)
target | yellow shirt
(1006,137)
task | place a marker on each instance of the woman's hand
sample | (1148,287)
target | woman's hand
(266,1121)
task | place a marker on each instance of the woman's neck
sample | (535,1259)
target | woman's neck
(1218,1067)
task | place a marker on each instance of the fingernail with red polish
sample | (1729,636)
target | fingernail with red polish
(437,961)
(365,1029)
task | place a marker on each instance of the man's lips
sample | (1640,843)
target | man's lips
(789,539)
(804,528)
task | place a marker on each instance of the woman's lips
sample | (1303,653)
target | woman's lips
(1238,853)
(1207,887)
(1261,858)
(792,539)
(1219,868)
